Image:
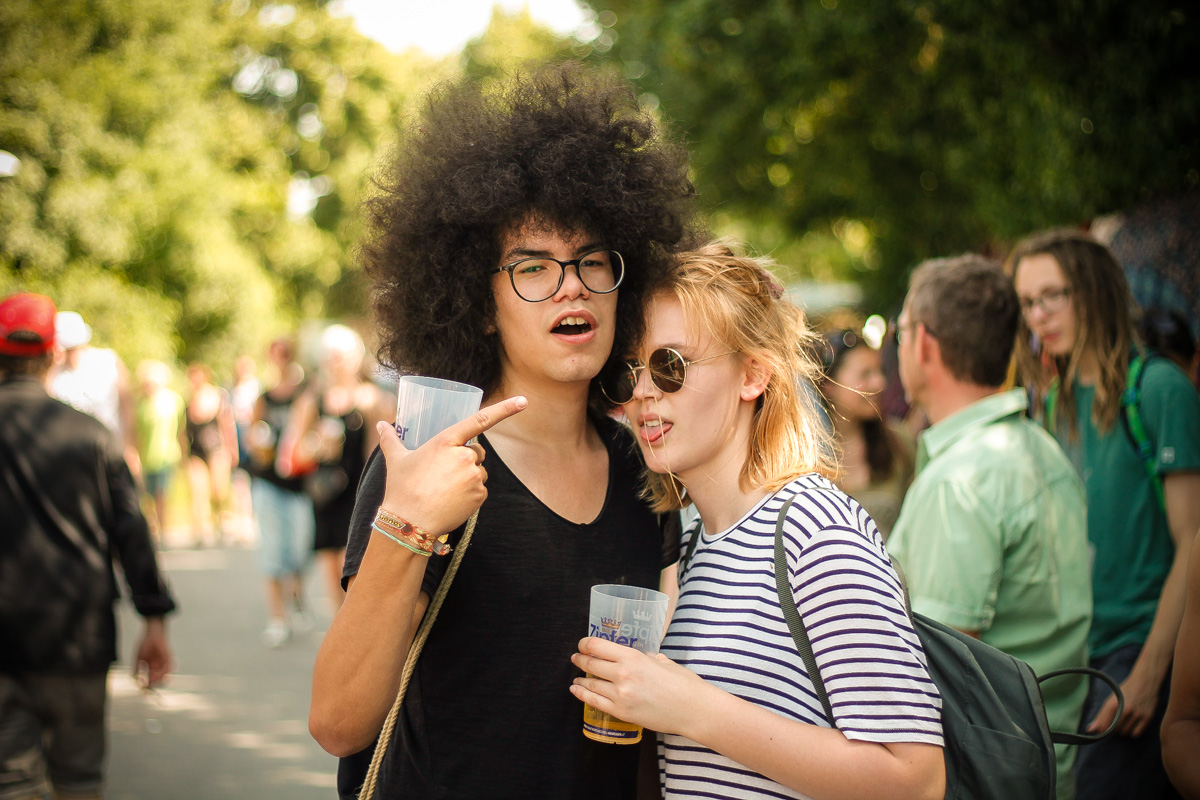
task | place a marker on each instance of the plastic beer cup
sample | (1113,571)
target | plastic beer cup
(634,617)
(427,406)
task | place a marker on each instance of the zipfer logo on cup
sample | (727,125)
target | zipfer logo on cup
(611,629)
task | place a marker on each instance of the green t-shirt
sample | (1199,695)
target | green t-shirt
(993,538)
(158,421)
(1128,530)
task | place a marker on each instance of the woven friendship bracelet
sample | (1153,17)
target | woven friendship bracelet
(402,543)
(395,526)
(414,535)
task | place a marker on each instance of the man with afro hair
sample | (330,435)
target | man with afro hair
(511,245)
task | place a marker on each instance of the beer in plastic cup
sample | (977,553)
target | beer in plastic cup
(634,617)
(427,406)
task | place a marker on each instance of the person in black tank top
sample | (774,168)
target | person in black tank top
(282,507)
(512,252)
(212,447)
(331,431)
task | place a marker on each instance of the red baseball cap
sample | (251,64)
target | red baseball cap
(26,325)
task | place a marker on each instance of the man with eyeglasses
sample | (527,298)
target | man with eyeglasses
(510,249)
(993,531)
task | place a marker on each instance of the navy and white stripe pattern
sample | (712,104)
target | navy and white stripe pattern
(729,629)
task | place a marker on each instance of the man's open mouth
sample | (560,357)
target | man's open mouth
(572,326)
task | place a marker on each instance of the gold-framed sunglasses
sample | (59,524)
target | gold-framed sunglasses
(668,370)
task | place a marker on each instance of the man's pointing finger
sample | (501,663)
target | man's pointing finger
(483,419)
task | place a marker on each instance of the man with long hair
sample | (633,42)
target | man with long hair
(511,246)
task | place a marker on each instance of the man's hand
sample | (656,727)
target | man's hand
(153,661)
(441,483)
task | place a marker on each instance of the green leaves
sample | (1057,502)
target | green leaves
(163,183)
(939,127)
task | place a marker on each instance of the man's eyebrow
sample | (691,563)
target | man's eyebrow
(531,252)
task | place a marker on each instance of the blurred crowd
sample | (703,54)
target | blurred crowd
(268,458)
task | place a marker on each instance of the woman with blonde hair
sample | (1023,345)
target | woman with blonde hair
(715,394)
(1131,425)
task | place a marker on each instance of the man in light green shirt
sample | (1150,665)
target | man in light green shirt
(993,530)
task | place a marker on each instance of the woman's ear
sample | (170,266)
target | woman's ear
(755,377)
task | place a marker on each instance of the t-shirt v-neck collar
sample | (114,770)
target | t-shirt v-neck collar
(496,459)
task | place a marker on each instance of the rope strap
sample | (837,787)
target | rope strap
(410,663)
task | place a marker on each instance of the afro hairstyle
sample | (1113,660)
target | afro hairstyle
(562,145)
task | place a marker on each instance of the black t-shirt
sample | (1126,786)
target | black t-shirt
(488,712)
(276,411)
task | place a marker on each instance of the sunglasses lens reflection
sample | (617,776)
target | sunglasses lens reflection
(617,383)
(667,369)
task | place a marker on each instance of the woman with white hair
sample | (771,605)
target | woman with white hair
(328,438)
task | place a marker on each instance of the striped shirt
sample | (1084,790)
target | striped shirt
(729,629)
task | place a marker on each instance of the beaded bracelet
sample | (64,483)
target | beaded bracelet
(402,543)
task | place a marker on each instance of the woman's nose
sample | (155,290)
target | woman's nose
(643,384)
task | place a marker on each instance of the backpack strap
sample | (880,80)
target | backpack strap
(1064,737)
(1052,407)
(796,625)
(791,614)
(1135,429)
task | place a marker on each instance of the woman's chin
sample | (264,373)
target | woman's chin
(652,461)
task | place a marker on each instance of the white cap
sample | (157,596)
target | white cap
(71,331)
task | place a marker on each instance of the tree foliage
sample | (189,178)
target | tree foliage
(190,169)
(914,128)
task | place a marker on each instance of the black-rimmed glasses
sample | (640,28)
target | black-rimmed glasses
(536,279)
(1050,301)
(668,369)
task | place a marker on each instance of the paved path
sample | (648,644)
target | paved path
(232,721)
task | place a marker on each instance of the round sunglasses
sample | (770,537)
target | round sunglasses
(668,369)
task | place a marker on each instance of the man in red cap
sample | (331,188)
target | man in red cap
(69,508)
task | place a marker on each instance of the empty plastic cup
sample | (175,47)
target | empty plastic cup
(427,406)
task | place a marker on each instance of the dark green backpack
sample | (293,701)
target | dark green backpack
(998,745)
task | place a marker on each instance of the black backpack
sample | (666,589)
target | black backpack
(998,745)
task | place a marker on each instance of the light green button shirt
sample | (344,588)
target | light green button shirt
(993,538)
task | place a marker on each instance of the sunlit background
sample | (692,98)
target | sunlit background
(188,175)
(444,28)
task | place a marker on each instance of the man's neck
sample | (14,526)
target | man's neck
(950,396)
(74,356)
(556,417)
(25,377)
